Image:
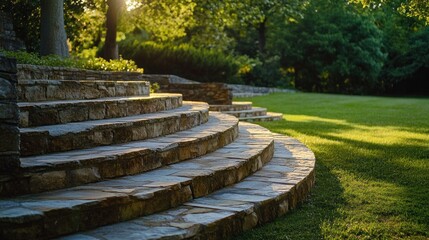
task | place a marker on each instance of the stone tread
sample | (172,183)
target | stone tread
(88,134)
(60,212)
(271,116)
(269,193)
(235,106)
(67,169)
(255,111)
(46,90)
(65,111)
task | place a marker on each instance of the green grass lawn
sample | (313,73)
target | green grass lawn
(372,170)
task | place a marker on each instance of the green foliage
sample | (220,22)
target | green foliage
(372,168)
(203,65)
(26,19)
(332,49)
(164,21)
(154,87)
(407,73)
(91,63)
(268,73)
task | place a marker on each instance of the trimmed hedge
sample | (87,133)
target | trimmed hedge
(201,65)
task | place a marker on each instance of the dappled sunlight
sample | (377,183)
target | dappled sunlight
(376,148)
(364,215)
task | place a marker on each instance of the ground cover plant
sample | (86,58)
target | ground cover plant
(372,170)
(82,63)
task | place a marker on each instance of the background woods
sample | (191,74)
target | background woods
(354,46)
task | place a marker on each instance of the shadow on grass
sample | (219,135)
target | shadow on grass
(392,177)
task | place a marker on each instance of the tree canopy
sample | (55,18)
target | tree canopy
(349,46)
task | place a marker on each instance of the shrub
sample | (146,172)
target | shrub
(335,50)
(407,73)
(184,60)
(90,63)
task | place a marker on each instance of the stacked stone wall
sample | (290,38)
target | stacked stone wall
(9,117)
(8,39)
(212,93)
(29,72)
(238,88)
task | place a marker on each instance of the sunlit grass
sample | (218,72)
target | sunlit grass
(372,168)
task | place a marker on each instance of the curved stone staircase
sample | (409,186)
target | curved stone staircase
(106,160)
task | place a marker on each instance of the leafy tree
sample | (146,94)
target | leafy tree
(333,49)
(163,21)
(257,14)
(212,19)
(410,8)
(407,73)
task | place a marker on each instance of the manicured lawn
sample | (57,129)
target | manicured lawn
(372,171)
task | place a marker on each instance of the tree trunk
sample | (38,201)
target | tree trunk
(53,39)
(110,50)
(262,38)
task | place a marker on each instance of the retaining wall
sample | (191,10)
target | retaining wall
(9,117)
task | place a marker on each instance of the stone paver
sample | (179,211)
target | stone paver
(72,168)
(229,211)
(60,212)
(88,134)
(65,111)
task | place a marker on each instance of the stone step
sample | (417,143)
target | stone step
(89,134)
(271,116)
(66,211)
(53,90)
(33,114)
(236,106)
(73,168)
(255,111)
(269,193)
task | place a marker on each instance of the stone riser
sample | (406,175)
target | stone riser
(54,90)
(236,106)
(50,113)
(38,178)
(36,141)
(247,114)
(267,118)
(81,208)
(270,193)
